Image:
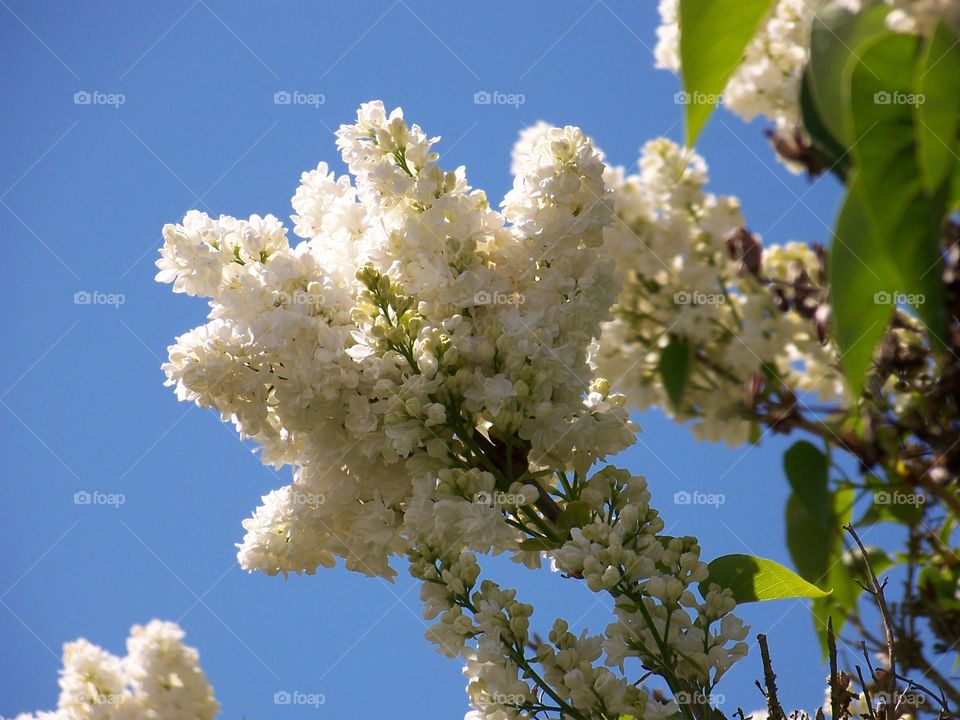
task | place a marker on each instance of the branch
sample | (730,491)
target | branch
(774,709)
(890,678)
(834,674)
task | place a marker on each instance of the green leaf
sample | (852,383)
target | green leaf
(859,274)
(904,218)
(575,514)
(824,142)
(806,469)
(938,115)
(713,37)
(835,36)
(752,579)
(814,537)
(808,540)
(674,369)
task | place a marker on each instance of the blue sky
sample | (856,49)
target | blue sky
(84,191)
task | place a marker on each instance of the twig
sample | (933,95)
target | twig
(834,674)
(921,663)
(866,694)
(774,709)
(890,678)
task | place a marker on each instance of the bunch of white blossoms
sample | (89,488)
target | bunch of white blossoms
(159,679)
(768,81)
(426,365)
(412,332)
(694,279)
(615,546)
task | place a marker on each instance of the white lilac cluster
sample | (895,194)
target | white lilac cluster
(426,365)
(682,284)
(159,679)
(617,549)
(691,643)
(413,331)
(767,82)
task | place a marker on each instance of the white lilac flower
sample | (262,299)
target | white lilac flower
(159,679)
(412,314)
(427,365)
(683,283)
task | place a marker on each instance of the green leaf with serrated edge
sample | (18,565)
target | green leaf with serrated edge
(713,37)
(575,514)
(904,218)
(859,275)
(754,579)
(834,36)
(674,367)
(937,117)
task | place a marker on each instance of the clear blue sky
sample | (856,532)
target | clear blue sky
(85,189)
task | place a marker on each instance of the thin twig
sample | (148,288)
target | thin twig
(774,709)
(834,674)
(890,678)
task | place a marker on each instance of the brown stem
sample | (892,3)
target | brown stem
(774,709)
(890,679)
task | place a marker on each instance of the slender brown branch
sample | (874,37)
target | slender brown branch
(774,709)
(834,674)
(890,678)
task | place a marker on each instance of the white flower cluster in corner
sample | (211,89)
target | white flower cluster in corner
(159,679)
(736,308)
(767,82)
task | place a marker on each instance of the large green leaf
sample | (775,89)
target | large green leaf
(806,469)
(826,145)
(674,367)
(814,535)
(752,579)
(834,38)
(937,83)
(904,217)
(861,276)
(713,37)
